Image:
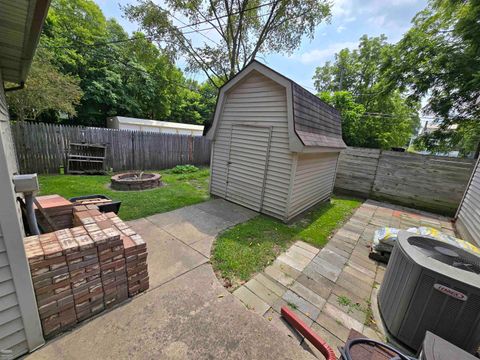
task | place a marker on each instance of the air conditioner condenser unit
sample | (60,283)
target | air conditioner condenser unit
(431,286)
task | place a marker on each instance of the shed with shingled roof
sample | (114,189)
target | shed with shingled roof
(275,145)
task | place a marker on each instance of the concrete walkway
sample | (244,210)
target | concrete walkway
(331,289)
(186,313)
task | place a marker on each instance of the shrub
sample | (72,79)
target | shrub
(184,169)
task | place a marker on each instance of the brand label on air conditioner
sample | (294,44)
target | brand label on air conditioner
(450,292)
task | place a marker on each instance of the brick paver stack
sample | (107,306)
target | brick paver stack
(51,282)
(54,212)
(78,272)
(112,262)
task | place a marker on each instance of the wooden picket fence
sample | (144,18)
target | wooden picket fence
(433,183)
(42,148)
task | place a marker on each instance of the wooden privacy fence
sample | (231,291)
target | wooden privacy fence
(432,183)
(42,148)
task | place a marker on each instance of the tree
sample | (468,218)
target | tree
(120,75)
(354,128)
(244,29)
(389,118)
(439,59)
(46,89)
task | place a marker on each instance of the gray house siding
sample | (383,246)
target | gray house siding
(12,334)
(18,313)
(313,181)
(255,101)
(468,215)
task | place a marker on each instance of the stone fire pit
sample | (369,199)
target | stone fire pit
(135,181)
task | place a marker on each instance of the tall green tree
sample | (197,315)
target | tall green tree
(389,118)
(46,90)
(439,59)
(243,29)
(120,74)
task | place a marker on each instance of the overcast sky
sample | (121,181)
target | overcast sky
(350,20)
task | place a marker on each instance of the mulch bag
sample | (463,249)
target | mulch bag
(384,239)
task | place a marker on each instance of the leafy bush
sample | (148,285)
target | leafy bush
(184,169)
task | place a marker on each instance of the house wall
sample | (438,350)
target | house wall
(313,181)
(19,323)
(468,216)
(256,100)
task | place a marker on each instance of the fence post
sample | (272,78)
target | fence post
(370,193)
(133,150)
(190,149)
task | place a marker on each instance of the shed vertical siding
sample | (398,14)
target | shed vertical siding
(256,100)
(468,216)
(12,334)
(313,181)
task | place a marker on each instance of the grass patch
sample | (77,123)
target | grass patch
(248,248)
(178,190)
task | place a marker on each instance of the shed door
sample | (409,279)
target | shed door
(248,160)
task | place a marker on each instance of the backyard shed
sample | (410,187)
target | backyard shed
(274,144)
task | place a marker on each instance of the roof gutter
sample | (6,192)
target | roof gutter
(32,36)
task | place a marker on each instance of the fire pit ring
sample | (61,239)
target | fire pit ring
(135,181)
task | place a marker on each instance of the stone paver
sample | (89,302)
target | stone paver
(333,326)
(308,295)
(274,286)
(251,300)
(297,302)
(262,291)
(336,282)
(186,313)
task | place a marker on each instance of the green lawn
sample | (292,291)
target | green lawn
(248,248)
(179,190)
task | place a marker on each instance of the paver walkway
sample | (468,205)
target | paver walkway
(186,313)
(331,289)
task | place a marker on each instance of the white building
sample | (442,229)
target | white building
(164,127)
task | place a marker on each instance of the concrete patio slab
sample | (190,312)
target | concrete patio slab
(185,319)
(186,313)
(168,257)
(227,210)
(204,246)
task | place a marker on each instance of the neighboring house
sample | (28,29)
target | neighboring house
(21,22)
(275,145)
(429,128)
(164,127)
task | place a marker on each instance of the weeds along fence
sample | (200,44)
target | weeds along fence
(42,148)
(432,183)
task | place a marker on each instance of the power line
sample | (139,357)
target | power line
(227,15)
(151,38)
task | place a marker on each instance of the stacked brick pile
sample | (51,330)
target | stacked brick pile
(112,262)
(51,282)
(53,212)
(135,249)
(79,272)
(136,258)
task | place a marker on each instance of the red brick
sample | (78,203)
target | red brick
(84,242)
